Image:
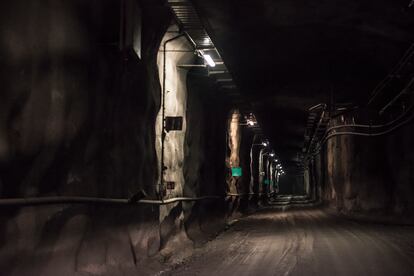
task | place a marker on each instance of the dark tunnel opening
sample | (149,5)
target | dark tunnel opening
(189,137)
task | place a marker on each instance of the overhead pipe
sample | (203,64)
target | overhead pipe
(328,136)
(244,194)
(409,53)
(392,101)
(94,200)
(50,200)
(371,134)
(362,134)
(320,105)
(368,126)
(323,106)
(318,125)
(372,126)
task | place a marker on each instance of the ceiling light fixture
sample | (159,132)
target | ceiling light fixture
(209,60)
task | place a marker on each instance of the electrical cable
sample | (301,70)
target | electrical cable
(368,126)
(362,134)
(93,200)
(372,126)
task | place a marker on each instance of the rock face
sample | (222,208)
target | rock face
(78,113)
(369,174)
(78,117)
(68,101)
(233,142)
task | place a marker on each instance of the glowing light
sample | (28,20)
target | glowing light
(209,60)
(250,123)
(264,144)
(272,154)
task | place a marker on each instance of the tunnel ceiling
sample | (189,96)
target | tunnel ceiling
(287,56)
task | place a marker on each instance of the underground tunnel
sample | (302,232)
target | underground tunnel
(190,137)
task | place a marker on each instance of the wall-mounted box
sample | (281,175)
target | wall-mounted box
(170,185)
(173,123)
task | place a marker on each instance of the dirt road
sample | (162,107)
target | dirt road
(304,242)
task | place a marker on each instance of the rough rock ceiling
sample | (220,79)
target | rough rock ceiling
(289,55)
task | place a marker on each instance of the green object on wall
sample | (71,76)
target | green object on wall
(236,171)
(266,181)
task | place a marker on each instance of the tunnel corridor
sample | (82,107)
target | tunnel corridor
(190,137)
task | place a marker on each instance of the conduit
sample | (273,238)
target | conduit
(244,194)
(372,126)
(94,200)
(363,134)
(48,200)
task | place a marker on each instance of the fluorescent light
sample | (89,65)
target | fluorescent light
(209,60)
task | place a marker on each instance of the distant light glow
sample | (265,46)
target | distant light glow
(264,144)
(250,123)
(209,60)
(272,154)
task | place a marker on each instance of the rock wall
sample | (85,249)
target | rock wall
(171,170)
(78,110)
(255,169)
(68,100)
(204,166)
(80,116)
(245,182)
(371,175)
(194,156)
(233,140)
